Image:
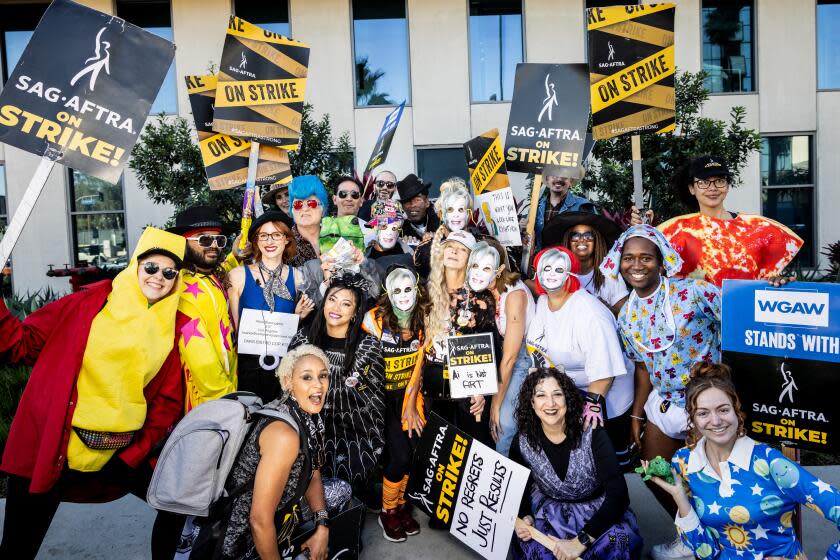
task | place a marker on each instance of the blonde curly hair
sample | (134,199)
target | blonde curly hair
(287,365)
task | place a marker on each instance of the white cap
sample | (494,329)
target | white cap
(463,237)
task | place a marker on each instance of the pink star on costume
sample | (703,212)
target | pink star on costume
(190,330)
(225,330)
(192,288)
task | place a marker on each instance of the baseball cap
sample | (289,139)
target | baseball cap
(704,167)
(465,238)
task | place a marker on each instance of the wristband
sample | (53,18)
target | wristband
(638,418)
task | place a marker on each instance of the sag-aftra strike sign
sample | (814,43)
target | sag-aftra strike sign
(83,89)
(783,345)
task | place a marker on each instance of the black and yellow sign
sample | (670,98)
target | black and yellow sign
(83,89)
(261,86)
(226,157)
(486,162)
(631,69)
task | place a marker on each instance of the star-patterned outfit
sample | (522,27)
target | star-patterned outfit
(747,511)
(208,355)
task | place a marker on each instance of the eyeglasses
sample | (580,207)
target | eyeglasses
(311,203)
(389,184)
(274,236)
(151,268)
(207,240)
(718,183)
(582,236)
(354,194)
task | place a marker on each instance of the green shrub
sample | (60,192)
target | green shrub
(12,382)
(22,306)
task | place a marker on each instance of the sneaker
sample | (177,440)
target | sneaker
(674,550)
(409,525)
(391,525)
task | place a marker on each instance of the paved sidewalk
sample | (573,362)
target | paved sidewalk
(121,530)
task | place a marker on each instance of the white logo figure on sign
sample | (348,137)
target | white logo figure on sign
(611,54)
(550,99)
(788,386)
(244,60)
(97,61)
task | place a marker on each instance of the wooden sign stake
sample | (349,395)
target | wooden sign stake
(24,209)
(528,248)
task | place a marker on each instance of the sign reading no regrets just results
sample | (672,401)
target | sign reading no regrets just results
(783,345)
(83,89)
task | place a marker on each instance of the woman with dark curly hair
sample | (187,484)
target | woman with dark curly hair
(576,493)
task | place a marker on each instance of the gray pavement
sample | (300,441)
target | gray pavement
(121,530)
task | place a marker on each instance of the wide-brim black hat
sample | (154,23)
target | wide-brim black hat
(268,197)
(198,217)
(554,230)
(269,216)
(410,186)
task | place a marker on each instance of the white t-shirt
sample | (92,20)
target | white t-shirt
(612,290)
(582,337)
(501,317)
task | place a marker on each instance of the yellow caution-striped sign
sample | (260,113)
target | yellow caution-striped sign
(486,162)
(631,69)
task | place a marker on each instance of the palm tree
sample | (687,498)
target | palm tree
(366,82)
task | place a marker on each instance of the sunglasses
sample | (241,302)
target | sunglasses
(207,240)
(389,184)
(582,235)
(151,268)
(354,194)
(311,203)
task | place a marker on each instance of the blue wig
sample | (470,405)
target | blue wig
(305,186)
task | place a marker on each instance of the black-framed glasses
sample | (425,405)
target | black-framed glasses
(207,240)
(719,183)
(355,195)
(152,268)
(389,184)
(582,236)
(274,236)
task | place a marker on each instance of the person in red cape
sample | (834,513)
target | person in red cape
(105,390)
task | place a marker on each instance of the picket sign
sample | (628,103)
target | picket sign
(27,203)
(536,534)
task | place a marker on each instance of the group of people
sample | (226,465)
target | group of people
(608,353)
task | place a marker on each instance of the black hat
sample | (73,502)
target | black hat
(410,186)
(554,230)
(268,197)
(704,167)
(197,217)
(269,216)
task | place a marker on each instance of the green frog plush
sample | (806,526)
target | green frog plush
(333,229)
(657,466)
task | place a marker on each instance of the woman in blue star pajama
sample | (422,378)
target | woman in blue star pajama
(741,493)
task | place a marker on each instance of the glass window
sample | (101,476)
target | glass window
(17,22)
(380,48)
(495,48)
(98,221)
(828,47)
(6,267)
(273,16)
(787,194)
(728,45)
(154,17)
(435,165)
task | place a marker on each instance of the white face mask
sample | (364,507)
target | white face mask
(481,273)
(388,236)
(403,294)
(456,214)
(554,270)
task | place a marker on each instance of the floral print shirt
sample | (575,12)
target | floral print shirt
(670,330)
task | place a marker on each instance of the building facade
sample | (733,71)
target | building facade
(453,62)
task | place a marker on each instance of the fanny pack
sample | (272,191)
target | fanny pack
(104,440)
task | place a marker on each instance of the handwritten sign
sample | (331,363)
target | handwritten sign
(498,209)
(266,333)
(472,365)
(467,486)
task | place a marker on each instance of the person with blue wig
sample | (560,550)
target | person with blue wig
(308,203)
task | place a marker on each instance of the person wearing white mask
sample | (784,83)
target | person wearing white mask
(489,269)
(388,249)
(397,321)
(454,206)
(573,329)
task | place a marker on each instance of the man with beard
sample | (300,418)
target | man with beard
(421,224)
(556,199)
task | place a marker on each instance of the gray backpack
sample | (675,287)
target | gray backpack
(193,467)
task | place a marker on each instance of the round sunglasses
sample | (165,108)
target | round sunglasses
(311,203)
(354,194)
(152,268)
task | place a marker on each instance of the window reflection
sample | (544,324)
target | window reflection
(435,165)
(728,45)
(828,47)
(495,48)
(17,23)
(380,43)
(273,16)
(99,239)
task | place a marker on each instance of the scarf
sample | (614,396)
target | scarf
(274,284)
(314,430)
(671,260)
